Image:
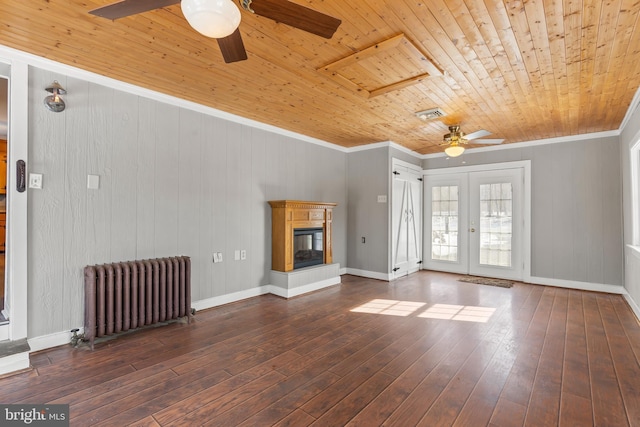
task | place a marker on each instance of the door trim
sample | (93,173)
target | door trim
(525,165)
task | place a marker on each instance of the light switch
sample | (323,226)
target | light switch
(93,182)
(236,255)
(382,198)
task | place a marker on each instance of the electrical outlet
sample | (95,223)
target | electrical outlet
(243,254)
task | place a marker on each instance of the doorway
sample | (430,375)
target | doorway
(476,222)
(406,218)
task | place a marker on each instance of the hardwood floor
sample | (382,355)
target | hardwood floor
(436,352)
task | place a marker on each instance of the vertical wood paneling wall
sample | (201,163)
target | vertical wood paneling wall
(628,138)
(172,182)
(576,200)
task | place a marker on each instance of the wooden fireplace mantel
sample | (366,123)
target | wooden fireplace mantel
(287,215)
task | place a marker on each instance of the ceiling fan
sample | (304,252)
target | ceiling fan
(455,140)
(219,19)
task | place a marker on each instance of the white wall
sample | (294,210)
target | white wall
(173,181)
(629,136)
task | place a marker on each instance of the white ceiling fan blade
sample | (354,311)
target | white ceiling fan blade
(477,134)
(488,141)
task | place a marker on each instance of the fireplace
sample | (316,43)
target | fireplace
(308,247)
(300,233)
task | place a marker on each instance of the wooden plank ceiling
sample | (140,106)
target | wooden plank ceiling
(523,70)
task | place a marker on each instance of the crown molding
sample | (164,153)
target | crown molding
(10,56)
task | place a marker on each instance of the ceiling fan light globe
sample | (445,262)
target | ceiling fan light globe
(454,151)
(212,18)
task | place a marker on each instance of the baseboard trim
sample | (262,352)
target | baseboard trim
(229,298)
(370,274)
(52,340)
(14,363)
(572,284)
(311,287)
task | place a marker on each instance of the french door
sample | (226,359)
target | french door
(474,223)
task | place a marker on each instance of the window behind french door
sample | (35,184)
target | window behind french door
(474,223)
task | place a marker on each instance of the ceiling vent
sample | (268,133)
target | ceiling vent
(432,113)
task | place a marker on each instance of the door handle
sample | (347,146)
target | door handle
(473,230)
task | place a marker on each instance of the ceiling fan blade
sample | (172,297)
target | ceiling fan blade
(297,16)
(487,141)
(130,7)
(232,47)
(477,134)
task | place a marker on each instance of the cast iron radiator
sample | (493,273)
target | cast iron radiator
(128,295)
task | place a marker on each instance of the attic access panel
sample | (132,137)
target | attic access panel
(386,66)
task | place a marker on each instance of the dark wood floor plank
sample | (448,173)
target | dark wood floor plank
(508,414)
(299,418)
(149,401)
(519,384)
(264,399)
(353,403)
(230,400)
(608,406)
(575,411)
(554,356)
(544,404)
(575,403)
(483,399)
(287,406)
(629,322)
(407,380)
(220,391)
(624,360)
(415,406)
(147,422)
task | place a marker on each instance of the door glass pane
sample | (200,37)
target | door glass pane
(444,223)
(496,227)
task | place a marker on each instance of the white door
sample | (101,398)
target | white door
(406,217)
(446,212)
(475,223)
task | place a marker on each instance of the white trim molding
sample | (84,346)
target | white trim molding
(300,290)
(573,284)
(14,363)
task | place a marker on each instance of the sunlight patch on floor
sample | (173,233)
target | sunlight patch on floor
(389,307)
(464,313)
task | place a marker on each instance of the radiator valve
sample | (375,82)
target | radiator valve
(75,338)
